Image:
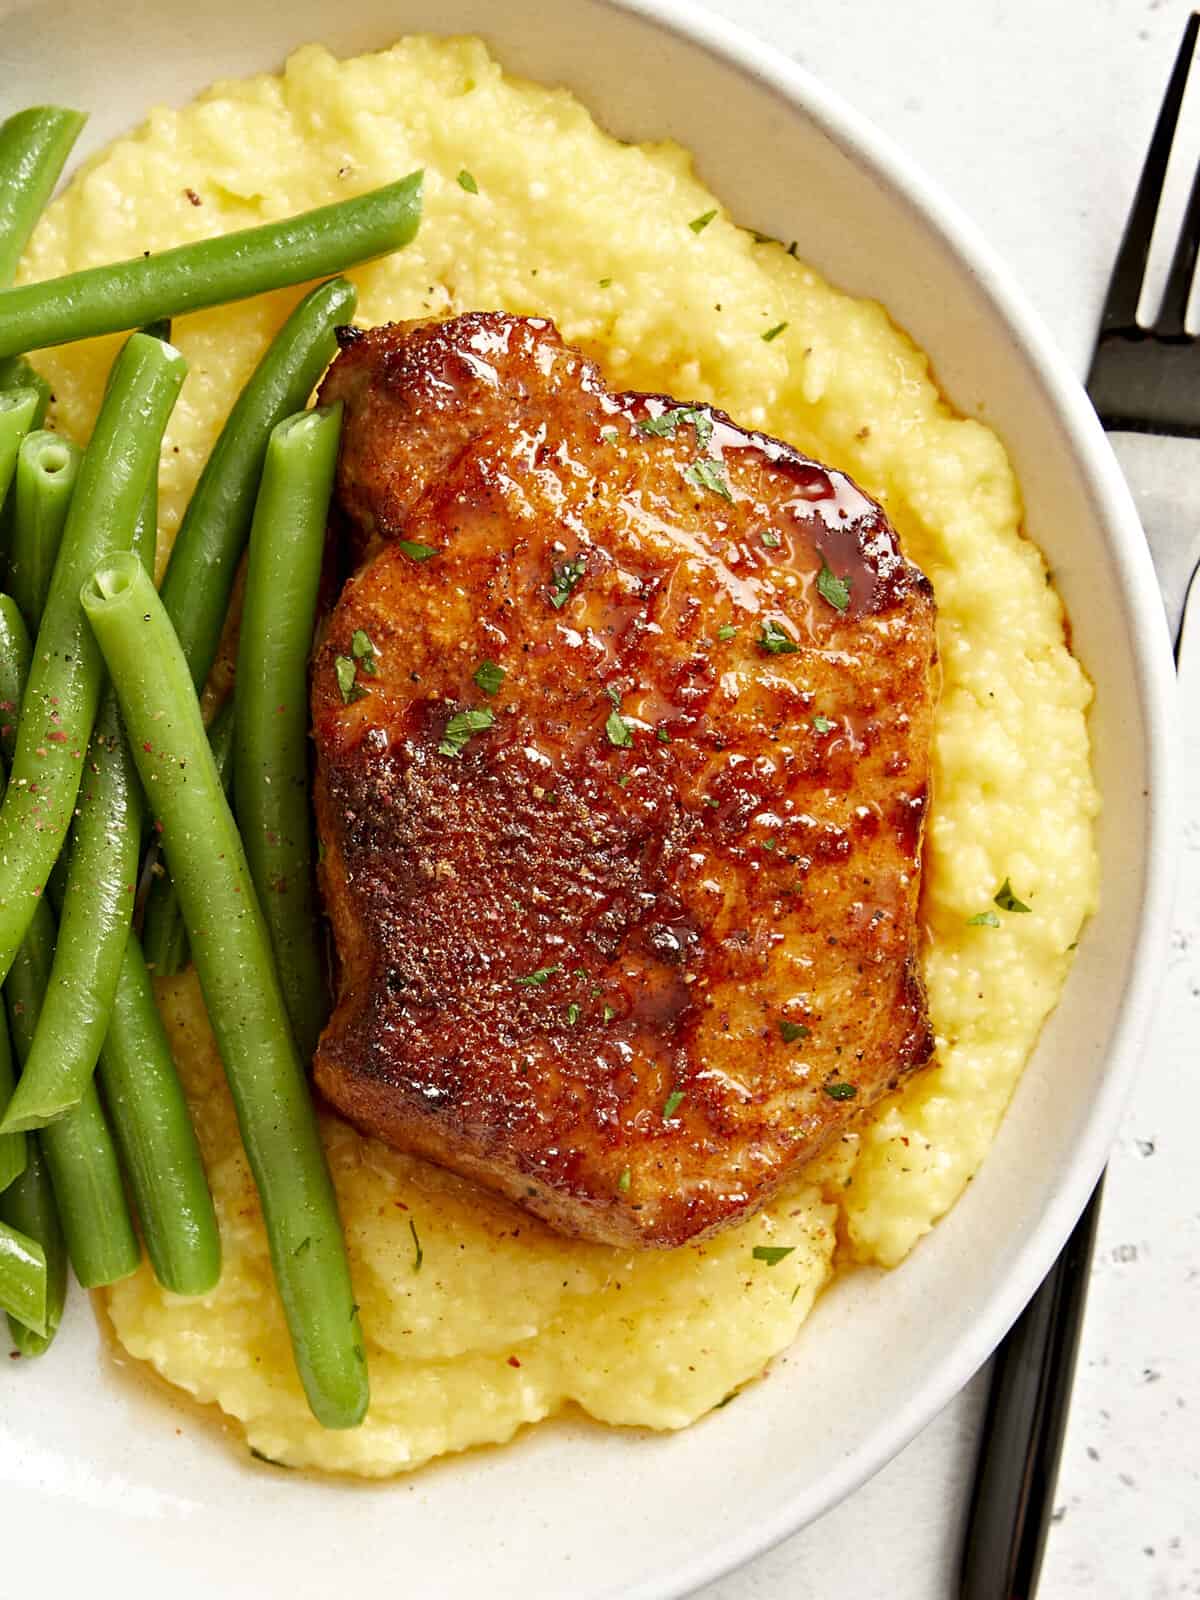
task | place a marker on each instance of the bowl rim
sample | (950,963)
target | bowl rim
(798,1503)
(853,133)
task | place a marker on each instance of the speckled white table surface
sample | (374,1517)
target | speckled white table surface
(1034,116)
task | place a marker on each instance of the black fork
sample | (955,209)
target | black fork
(1147,380)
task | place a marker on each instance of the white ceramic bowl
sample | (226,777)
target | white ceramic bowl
(100,1466)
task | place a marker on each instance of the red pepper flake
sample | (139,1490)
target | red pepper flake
(57,737)
(193,197)
(513,1362)
(148,747)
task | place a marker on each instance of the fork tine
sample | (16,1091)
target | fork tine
(1125,285)
(1173,311)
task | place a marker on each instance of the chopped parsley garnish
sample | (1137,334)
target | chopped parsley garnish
(467,182)
(618,730)
(662,735)
(698,224)
(461,726)
(566,577)
(660,427)
(418,552)
(832,588)
(773,333)
(772,1254)
(775,642)
(572,1014)
(727,631)
(625,1180)
(664,427)
(346,671)
(362,648)
(822,724)
(604,282)
(416,1239)
(789,1032)
(771,539)
(609,1013)
(770,844)
(673,1101)
(488,676)
(1007,900)
(539,977)
(841,1091)
(710,475)
(609,435)
(983,919)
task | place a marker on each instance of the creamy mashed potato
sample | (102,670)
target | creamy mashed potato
(477,1318)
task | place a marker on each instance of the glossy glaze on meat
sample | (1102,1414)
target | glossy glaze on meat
(641,947)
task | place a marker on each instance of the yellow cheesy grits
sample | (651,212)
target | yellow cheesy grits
(477,1317)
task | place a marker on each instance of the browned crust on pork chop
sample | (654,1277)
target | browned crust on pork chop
(638,950)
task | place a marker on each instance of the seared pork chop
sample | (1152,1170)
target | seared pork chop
(621,788)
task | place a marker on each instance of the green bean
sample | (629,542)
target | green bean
(99,994)
(216,524)
(16,373)
(64,683)
(95,906)
(79,1149)
(28,1204)
(94,922)
(232,954)
(22,1278)
(146,1104)
(18,411)
(164,937)
(17,407)
(16,654)
(47,467)
(13,1155)
(34,146)
(211,272)
(145,529)
(287,543)
(13,1152)
(158,1144)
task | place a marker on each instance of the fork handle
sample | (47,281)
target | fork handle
(1023,1431)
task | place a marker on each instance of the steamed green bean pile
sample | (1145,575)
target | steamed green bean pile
(122,849)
